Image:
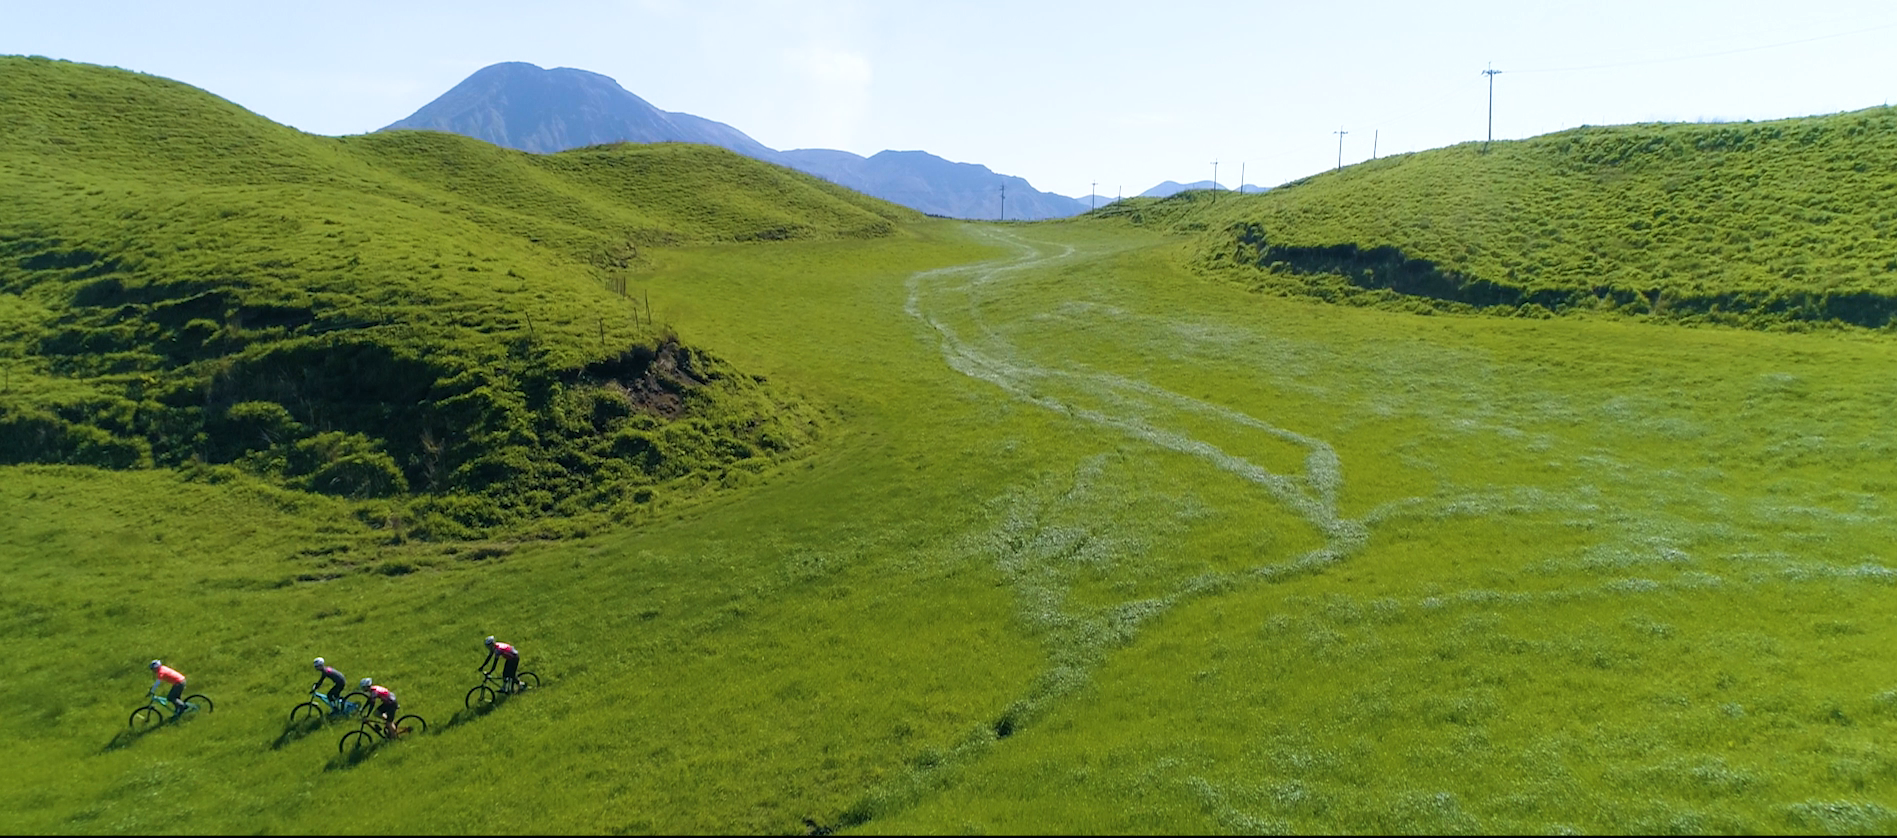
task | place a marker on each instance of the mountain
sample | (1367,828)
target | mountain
(1173,187)
(521,106)
(923,181)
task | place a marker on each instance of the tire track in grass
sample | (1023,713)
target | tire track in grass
(1046,529)
(1311,495)
(1039,540)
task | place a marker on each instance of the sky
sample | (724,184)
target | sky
(1068,95)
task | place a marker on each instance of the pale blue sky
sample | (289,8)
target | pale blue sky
(1127,94)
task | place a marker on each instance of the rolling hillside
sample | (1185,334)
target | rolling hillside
(190,286)
(1782,224)
(1057,528)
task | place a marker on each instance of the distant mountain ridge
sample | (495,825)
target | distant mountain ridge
(1173,187)
(522,106)
(915,178)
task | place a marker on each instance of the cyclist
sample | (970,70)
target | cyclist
(380,694)
(497,652)
(325,672)
(166,675)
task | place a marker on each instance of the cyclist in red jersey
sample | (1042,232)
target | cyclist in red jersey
(381,695)
(166,675)
(496,653)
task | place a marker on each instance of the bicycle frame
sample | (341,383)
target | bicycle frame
(483,695)
(157,706)
(339,707)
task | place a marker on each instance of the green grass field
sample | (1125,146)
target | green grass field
(1209,561)
(1088,538)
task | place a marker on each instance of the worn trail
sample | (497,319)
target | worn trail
(1139,409)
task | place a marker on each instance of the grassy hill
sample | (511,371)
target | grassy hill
(1088,540)
(189,285)
(1786,223)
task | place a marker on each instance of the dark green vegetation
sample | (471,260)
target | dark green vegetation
(188,285)
(1088,543)
(1777,224)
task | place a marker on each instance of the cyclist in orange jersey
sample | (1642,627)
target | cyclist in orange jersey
(167,675)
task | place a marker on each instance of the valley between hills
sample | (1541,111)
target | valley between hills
(1546,488)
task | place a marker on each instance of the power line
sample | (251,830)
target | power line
(1450,95)
(1491,72)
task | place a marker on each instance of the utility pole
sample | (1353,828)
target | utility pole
(1241,177)
(1004,202)
(1215,180)
(1373,143)
(1340,147)
(1093,192)
(1491,73)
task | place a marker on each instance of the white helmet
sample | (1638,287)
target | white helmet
(365,683)
(489,641)
(155,664)
(319,664)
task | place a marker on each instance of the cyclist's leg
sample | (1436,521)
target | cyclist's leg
(507,674)
(177,698)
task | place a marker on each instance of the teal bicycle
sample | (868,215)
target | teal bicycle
(320,707)
(160,709)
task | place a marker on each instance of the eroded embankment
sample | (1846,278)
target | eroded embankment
(1350,266)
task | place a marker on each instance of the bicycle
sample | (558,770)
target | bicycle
(483,694)
(321,707)
(154,712)
(359,741)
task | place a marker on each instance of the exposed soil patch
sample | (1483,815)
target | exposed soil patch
(652,379)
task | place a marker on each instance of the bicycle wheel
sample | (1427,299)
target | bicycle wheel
(146,718)
(355,743)
(527,680)
(411,724)
(481,696)
(354,702)
(199,702)
(307,712)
